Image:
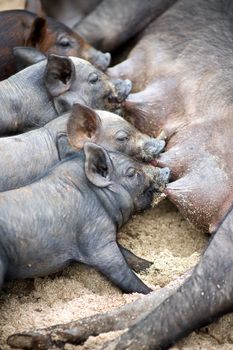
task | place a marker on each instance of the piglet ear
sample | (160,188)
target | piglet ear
(98,165)
(26,56)
(34,6)
(38,32)
(59,74)
(83,125)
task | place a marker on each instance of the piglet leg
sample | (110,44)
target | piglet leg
(136,263)
(110,262)
(205,296)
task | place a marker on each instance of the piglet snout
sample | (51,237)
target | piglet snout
(152,148)
(165,174)
(122,89)
(99,59)
(102,60)
(159,177)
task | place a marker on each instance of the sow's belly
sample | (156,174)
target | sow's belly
(203,195)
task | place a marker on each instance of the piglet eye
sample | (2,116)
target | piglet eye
(131,172)
(93,78)
(122,136)
(64,42)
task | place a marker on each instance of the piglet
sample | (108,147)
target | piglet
(26,156)
(39,93)
(23,28)
(73,214)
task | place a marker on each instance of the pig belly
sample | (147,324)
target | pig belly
(202,199)
(39,268)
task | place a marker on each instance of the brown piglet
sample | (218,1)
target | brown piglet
(23,28)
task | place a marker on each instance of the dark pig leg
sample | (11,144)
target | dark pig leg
(136,263)
(207,295)
(115,21)
(109,260)
(78,331)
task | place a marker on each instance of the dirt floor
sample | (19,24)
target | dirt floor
(160,235)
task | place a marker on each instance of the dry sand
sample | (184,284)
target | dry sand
(160,235)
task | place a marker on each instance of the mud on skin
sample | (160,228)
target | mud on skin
(110,186)
(40,93)
(35,152)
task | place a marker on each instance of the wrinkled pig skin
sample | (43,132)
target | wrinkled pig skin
(35,152)
(49,226)
(23,28)
(69,12)
(181,73)
(41,92)
(113,22)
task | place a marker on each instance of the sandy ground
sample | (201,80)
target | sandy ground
(160,235)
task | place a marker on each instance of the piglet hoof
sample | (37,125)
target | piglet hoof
(135,262)
(142,265)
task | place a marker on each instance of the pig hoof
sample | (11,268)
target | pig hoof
(142,266)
